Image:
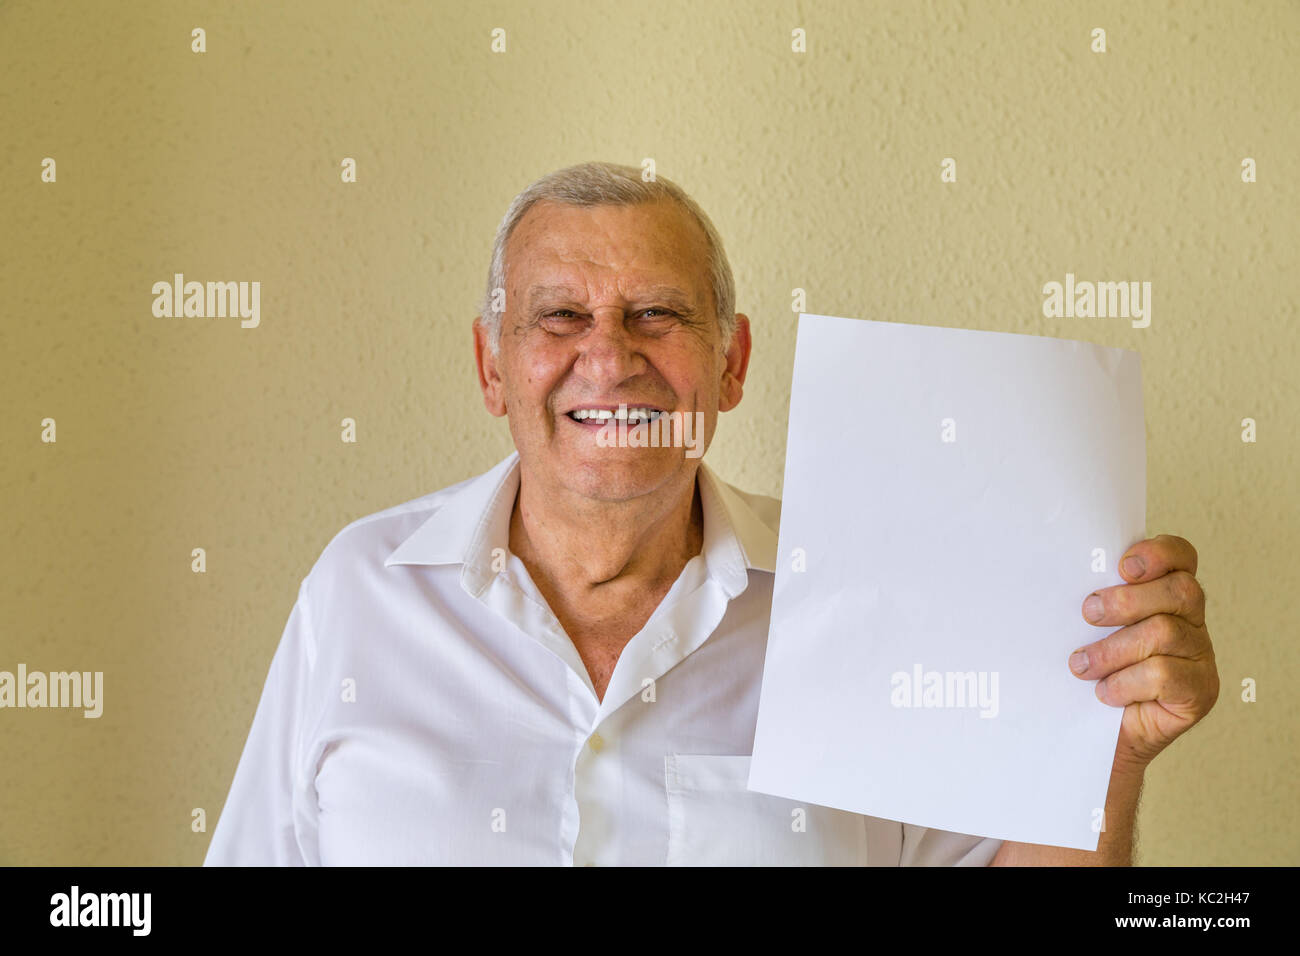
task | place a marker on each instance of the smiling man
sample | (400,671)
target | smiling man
(558,662)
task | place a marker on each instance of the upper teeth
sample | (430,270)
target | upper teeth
(605,413)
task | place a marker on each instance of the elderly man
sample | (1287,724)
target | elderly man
(558,662)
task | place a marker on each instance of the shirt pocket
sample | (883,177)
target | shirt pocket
(714,820)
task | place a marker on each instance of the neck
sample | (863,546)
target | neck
(580,546)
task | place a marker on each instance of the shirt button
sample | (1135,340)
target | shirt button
(596,742)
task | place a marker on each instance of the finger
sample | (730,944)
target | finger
(1149,559)
(1165,634)
(1176,593)
(1175,682)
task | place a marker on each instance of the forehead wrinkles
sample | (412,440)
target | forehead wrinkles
(608,253)
(612,291)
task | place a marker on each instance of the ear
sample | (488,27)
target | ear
(489,373)
(733,375)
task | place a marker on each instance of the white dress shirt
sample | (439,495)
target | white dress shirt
(426,707)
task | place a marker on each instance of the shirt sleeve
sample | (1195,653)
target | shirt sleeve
(927,847)
(270,816)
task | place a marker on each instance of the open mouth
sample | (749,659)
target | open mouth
(598,417)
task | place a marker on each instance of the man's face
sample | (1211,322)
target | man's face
(607,306)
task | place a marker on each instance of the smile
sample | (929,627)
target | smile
(633,416)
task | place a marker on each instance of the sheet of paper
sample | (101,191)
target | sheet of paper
(951,497)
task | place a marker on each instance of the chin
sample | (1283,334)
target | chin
(619,477)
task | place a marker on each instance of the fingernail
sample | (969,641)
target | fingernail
(1134,566)
(1078,662)
(1093,609)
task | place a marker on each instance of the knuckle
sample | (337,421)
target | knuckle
(1143,640)
(1162,671)
(1187,589)
(1098,654)
(1199,646)
(1119,601)
(1105,689)
(1165,630)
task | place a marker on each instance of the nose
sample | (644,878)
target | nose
(608,353)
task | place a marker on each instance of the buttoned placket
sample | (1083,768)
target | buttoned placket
(674,630)
(690,612)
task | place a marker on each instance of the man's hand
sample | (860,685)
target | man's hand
(1160,667)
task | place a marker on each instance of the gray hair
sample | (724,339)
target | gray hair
(608,184)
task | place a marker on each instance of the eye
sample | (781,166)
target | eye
(560,320)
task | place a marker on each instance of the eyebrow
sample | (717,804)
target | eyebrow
(669,295)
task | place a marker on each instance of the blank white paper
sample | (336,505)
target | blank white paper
(951,497)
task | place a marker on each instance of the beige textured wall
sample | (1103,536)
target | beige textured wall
(822,172)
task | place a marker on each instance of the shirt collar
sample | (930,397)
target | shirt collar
(473,519)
